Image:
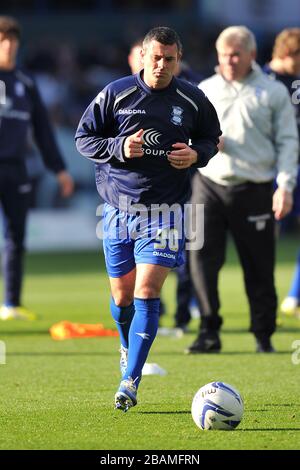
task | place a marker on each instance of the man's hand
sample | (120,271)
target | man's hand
(133,145)
(182,157)
(221,144)
(66,183)
(282,203)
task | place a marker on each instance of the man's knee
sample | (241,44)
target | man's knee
(122,299)
(147,292)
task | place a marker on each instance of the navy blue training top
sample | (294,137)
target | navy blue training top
(21,108)
(178,113)
(292,83)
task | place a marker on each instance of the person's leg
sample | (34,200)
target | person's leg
(121,304)
(207,262)
(295,286)
(291,303)
(122,310)
(252,226)
(143,329)
(184,293)
(120,266)
(15,201)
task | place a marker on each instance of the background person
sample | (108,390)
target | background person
(285,66)
(20,110)
(259,141)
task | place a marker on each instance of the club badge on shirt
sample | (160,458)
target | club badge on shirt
(19,89)
(176,116)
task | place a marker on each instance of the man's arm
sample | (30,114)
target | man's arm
(95,130)
(46,142)
(205,138)
(133,145)
(44,135)
(182,156)
(282,203)
(287,148)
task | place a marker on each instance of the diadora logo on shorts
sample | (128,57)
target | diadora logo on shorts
(131,111)
(163,255)
(151,137)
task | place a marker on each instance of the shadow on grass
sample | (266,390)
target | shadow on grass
(191,334)
(45,332)
(273,405)
(265,429)
(282,404)
(223,353)
(165,412)
(281,329)
(61,353)
(277,353)
(162,353)
(24,332)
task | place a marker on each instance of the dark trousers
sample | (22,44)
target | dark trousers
(14,199)
(246,211)
(184,292)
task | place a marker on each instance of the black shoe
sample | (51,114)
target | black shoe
(206,342)
(264,345)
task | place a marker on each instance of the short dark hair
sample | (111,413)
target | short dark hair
(164,35)
(9,25)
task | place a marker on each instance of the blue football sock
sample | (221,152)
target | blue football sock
(141,336)
(295,287)
(123,317)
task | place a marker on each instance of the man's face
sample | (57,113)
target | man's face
(9,45)
(160,62)
(292,62)
(234,60)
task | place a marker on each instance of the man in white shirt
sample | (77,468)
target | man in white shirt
(259,143)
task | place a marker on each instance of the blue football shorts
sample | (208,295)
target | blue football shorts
(143,237)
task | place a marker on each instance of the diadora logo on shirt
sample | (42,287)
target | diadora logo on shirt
(131,111)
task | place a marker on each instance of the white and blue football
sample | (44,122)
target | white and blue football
(217,405)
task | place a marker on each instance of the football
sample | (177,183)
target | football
(217,405)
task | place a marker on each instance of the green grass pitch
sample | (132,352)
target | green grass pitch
(59,395)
